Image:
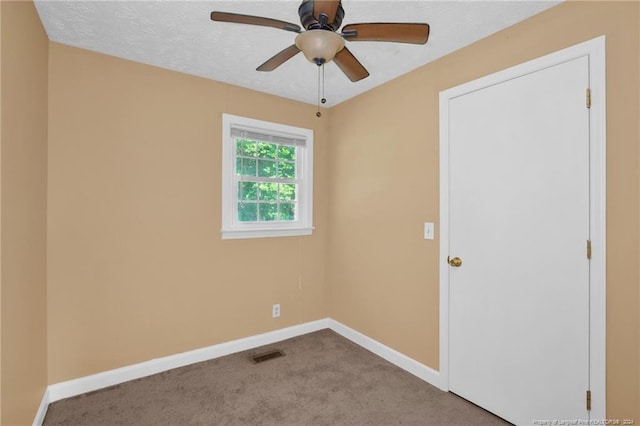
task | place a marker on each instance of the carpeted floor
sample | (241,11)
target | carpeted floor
(323,379)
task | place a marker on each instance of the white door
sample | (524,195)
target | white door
(519,221)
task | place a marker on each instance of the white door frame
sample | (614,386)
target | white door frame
(595,50)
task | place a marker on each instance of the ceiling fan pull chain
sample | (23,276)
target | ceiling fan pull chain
(323,100)
(318,114)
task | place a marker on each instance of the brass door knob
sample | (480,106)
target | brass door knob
(456,262)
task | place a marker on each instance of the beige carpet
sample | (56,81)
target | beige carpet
(323,379)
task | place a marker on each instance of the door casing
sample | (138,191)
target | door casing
(595,50)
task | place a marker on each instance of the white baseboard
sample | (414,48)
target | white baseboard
(42,409)
(105,379)
(410,365)
(97,381)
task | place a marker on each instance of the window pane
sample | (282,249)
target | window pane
(247,191)
(286,152)
(266,150)
(249,148)
(268,191)
(247,212)
(248,167)
(287,211)
(287,191)
(268,211)
(286,170)
(265,179)
(266,168)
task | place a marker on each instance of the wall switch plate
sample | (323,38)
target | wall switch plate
(275,311)
(429,231)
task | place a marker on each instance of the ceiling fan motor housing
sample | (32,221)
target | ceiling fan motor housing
(309,22)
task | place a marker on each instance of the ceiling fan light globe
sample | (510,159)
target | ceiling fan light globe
(319,44)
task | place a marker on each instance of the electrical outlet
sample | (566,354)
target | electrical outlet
(275,311)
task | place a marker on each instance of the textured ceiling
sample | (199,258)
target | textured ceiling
(179,35)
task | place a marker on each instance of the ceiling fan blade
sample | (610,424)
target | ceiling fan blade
(350,65)
(400,33)
(328,7)
(279,58)
(254,20)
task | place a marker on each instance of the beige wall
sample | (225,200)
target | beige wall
(383,277)
(23,200)
(638,139)
(136,266)
(0,214)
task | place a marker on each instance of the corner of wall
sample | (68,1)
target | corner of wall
(23,162)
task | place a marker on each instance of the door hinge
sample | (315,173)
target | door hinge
(588,249)
(588,98)
(588,400)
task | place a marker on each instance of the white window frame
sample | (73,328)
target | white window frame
(234,229)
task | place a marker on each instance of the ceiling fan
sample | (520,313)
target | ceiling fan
(320,42)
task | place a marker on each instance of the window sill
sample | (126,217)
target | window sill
(235,234)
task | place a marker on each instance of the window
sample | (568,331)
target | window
(267,179)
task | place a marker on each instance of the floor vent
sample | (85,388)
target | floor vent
(267,356)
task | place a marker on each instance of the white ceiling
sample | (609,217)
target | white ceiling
(179,35)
